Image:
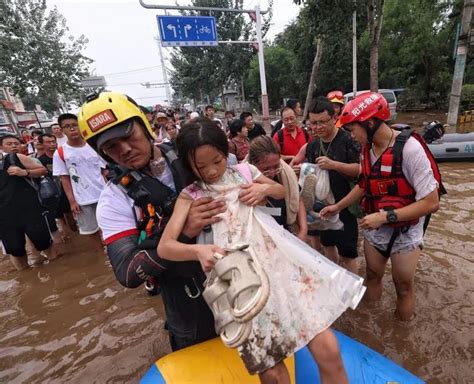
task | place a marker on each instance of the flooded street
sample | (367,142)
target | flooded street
(71,322)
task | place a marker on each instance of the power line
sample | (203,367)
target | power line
(132,70)
(136,82)
(150,97)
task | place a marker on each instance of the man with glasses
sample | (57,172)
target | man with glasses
(335,151)
(291,137)
(80,171)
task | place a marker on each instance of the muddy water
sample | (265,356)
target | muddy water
(71,322)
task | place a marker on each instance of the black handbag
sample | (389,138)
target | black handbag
(46,187)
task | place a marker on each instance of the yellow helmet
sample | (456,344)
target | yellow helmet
(105,111)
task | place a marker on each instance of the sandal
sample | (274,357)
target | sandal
(249,287)
(233,334)
(308,192)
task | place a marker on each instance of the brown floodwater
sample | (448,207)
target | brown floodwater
(71,322)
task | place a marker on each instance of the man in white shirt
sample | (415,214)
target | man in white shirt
(81,173)
(61,138)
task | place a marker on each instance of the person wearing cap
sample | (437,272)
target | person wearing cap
(399,185)
(160,123)
(337,99)
(134,209)
(81,172)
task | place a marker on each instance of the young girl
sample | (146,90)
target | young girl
(307,292)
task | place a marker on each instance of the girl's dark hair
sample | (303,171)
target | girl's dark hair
(235,127)
(260,147)
(196,133)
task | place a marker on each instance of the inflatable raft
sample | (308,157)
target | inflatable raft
(445,146)
(211,362)
(453,147)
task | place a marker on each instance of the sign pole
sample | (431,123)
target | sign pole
(163,70)
(261,66)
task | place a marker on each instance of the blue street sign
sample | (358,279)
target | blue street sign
(187,31)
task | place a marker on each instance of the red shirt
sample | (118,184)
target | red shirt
(290,145)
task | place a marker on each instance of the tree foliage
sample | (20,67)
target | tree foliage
(281,81)
(37,57)
(415,50)
(200,71)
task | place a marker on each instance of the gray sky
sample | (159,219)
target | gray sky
(122,42)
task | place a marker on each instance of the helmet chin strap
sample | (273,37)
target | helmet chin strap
(371,131)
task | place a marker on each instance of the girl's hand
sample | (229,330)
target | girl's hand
(374,220)
(253,194)
(207,255)
(329,211)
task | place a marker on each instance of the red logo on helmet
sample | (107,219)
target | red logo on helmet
(101,119)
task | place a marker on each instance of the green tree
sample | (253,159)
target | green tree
(417,44)
(205,71)
(37,57)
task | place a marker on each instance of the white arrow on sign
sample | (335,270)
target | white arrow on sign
(187,28)
(171,27)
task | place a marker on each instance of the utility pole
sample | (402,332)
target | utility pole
(261,66)
(163,70)
(354,51)
(460,65)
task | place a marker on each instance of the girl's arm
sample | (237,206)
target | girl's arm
(170,248)
(260,189)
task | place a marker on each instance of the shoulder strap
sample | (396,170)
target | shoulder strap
(433,163)
(13,159)
(280,137)
(61,152)
(180,174)
(400,141)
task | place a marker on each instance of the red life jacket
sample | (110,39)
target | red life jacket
(384,183)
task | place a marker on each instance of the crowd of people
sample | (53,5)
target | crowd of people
(176,197)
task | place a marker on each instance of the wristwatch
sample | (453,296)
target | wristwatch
(391,216)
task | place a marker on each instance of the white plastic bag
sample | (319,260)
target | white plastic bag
(316,193)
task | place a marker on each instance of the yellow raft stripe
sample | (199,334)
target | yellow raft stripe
(210,362)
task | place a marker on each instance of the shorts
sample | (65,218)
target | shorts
(345,240)
(32,225)
(87,220)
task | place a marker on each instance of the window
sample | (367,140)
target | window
(389,96)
